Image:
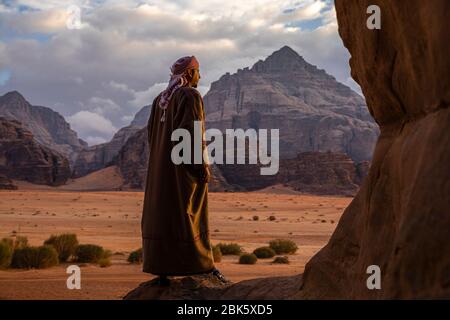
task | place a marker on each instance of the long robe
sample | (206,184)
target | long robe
(175,228)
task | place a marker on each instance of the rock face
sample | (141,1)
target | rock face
(99,156)
(310,172)
(6,183)
(311,109)
(207,287)
(23,158)
(400,218)
(132,160)
(141,117)
(48,127)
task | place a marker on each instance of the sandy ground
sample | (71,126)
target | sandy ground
(112,220)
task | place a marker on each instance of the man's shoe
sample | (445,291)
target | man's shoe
(220,276)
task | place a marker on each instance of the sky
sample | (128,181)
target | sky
(99,70)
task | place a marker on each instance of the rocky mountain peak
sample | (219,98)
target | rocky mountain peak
(13,98)
(283,59)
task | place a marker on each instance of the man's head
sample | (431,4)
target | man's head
(188,66)
(193,76)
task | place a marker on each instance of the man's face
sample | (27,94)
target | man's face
(194,77)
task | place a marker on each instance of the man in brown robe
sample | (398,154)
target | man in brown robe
(175,229)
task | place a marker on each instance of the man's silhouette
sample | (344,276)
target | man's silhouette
(175,227)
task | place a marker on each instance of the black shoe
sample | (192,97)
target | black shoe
(219,276)
(163,281)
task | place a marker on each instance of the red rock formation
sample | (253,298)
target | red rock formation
(99,156)
(23,158)
(48,127)
(312,110)
(6,183)
(310,172)
(400,218)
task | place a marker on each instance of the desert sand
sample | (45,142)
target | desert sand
(112,219)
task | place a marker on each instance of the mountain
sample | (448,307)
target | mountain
(47,126)
(99,156)
(312,110)
(141,117)
(325,173)
(22,157)
(326,134)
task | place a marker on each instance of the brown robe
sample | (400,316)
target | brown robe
(175,229)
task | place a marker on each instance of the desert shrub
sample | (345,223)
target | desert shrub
(272,218)
(217,254)
(230,248)
(106,254)
(255,218)
(281,260)
(264,252)
(65,245)
(20,242)
(248,258)
(34,257)
(135,256)
(6,252)
(283,246)
(89,253)
(104,262)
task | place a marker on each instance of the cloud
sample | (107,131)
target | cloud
(119,61)
(92,125)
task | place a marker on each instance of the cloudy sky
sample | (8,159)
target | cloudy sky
(100,71)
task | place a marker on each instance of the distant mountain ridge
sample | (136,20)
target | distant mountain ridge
(47,126)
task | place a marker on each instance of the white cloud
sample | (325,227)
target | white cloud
(95,140)
(92,125)
(120,60)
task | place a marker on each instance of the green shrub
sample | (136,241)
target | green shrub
(248,258)
(106,254)
(104,262)
(264,252)
(20,242)
(282,260)
(34,257)
(282,246)
(89,253)
(6,252)
(65,245)
(135,256)
(217,254)
(230,248)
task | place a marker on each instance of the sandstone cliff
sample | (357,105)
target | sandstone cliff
(23,158)
(48,127)
(99,156)
(311,109)
(310,172)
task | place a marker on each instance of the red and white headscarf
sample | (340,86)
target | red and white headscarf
(177,80)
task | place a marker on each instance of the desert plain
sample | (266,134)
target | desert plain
(112,219)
